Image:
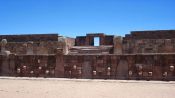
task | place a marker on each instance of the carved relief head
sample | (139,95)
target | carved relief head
(3,42)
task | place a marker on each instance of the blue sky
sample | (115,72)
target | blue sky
(78,17)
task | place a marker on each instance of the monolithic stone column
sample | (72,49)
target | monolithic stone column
(42,49)
(3,44)
(11,62)
(64,45)
(3,50)
(30,48)
(117,45)
(5,59)
(59,69)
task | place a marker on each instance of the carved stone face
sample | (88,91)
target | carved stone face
(79,72)
(130,73)
(47,71)
(39,61)
(150,73)
(109,68)
(4,42)
(171,68)
(25,67)
(39,67)
(70,72)
(24,45)
(29,45)
(165,74)
(74,67)
(31,72)
(140,67)
(18,70)
(62,40)
(140,73)
(94,72)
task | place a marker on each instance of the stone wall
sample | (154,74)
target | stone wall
(33,47)
(117,40)
(88,40)
(137,56)
(31,37)
(34,65)
(144,67)
(149,42)
(35,44)
(157,34)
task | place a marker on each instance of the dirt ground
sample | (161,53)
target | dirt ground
(11,87)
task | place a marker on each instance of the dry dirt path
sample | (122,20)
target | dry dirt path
(11,87)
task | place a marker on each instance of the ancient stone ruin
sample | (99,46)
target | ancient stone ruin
(141,55)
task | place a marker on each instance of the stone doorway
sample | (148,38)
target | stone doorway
(96,41)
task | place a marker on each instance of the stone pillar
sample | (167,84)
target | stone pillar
(114,61)
(59,69)
(64,45)
(87,67)
(131,62)
(5,59)
(42,49)
(3,50)
(5,66)
(1,59)
(30,48)
(12,64)
(3,44)
(102,40)
(117,45)
(87,41)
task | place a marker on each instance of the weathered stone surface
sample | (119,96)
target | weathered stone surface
(117,45)
(88,40)
(147,55)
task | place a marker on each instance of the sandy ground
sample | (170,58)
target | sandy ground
(11,87)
